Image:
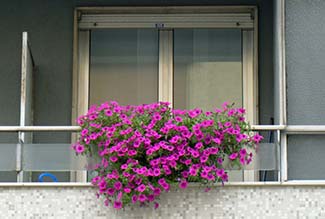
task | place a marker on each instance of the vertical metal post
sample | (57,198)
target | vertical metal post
(166,65)
(23,99)
(280,77)
(83,88)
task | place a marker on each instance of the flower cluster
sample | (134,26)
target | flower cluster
(144,149)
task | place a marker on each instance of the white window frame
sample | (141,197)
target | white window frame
(165,19)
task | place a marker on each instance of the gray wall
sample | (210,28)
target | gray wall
(305,55)
(50,26)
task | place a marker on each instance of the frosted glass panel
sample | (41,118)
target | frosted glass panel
(207,68)
(306,157)
(265,158)
(8,157)
(124,66)
(57,157)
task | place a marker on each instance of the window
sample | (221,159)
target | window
(189,56)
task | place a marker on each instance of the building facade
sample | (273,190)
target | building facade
(59,57)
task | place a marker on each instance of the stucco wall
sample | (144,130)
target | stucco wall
(305,54)
(281,202)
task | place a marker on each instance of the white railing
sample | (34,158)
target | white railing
(281,131)
(290,129)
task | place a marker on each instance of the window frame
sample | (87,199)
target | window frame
(145,17)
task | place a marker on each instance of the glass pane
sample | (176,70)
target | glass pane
(8,157)
(51,157)
(8,147)
(207,68)
(124,66)
(306,157)
(265,158)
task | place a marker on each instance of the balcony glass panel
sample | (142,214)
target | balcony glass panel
(306,157)
(55,157)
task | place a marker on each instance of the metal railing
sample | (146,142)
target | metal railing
(289,129)
(281,131)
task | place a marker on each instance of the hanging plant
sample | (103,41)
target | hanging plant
(145,149)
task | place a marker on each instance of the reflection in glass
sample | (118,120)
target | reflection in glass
(207,68)
(124,66)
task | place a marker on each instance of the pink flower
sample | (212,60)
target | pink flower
(119,196)
(79,148)
(84,132)
(151,197)
(117,204)
(198,145)
(118,185)
(141,188)
(127,190)
(178,119)
(113,159)
(227,124)
(233,156)
(134,199)
(156,205)
(110,191)
(217,141)
(185,174)
(242,152)
(156,172)
(138,181)
(242,160)
(204,159)
(95,180)
(108,113)
(220,172)
(132,153)
(156,191)
(257,138)
(161,181)
(193,172)
(142,198)
(165,186)
(183,184)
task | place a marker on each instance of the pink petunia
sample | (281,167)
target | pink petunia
(79,148)
(156,191)
(110,191)
(183,184)
(142,198)
(113,159)
(127,190)
(141,188)
(134,199)
(117,185)
(233,156)
(117,205)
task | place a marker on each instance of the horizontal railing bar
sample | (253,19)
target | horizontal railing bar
(77,128)
(40,128)
(250,184)
(308,129)
(267,127)
(291,129)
